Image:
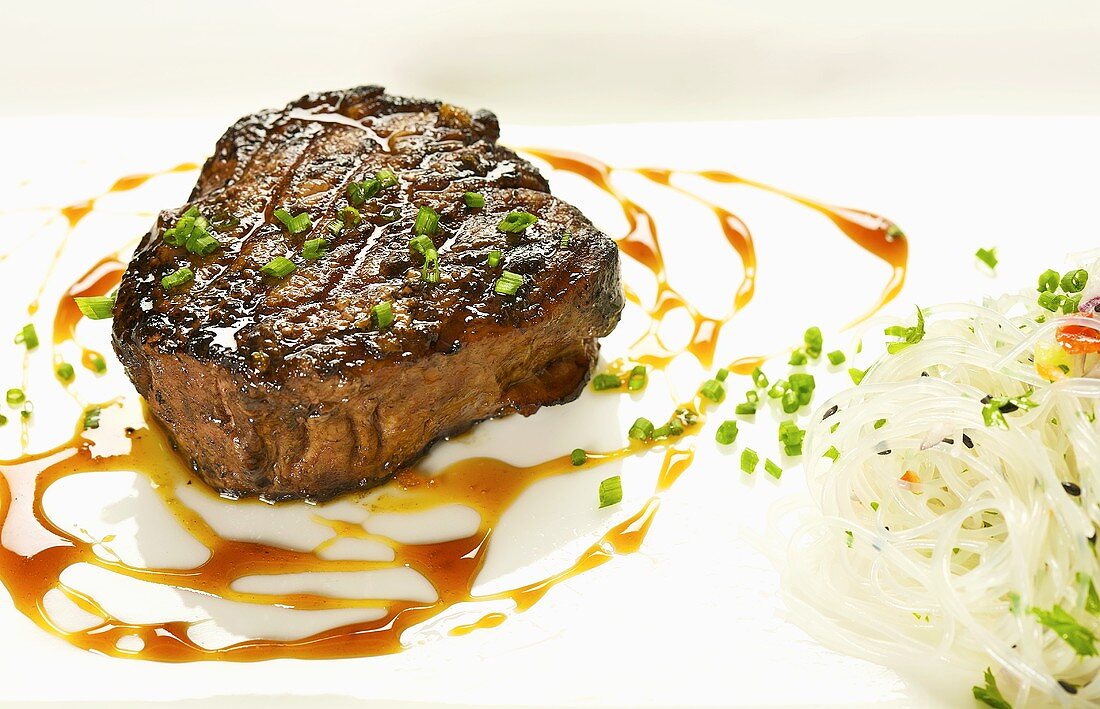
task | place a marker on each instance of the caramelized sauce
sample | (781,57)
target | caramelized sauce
(100,279)
(488,486)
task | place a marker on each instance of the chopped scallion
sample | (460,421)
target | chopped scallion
(278,267)
(987,256)
(814,342)
(387,178)
(637,379)
(857,375)
(1074,281)
(722,374)
(314,249)
(16,397)
(642,430)
(427,222)
(177,278)
(836,357)
(494,258)
(474,200)
(1051,301)
(726,433)
(759,379)
(294,224)
(745,409)
(749,460)
(91,417)
(832,453)
(798,358)
(98,363)
(713,390)
(772,469)
(578,457)
(516,222)
(96,307)
(611,491)
(508,283)
(382,315)
(603,382)
(565,240)
(65,371)
(1049,281)
(27,337)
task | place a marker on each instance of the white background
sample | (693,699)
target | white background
(695,619)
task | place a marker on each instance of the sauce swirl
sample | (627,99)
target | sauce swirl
(488,486)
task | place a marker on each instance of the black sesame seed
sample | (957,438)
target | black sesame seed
(949,441)
(967,441)
(1072,488)
(1067,686)
(832,410)
(885,452)
(924,374)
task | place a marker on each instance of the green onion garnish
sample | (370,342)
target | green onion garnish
(772,469)
(473,200)
(798,358)
(314,249)
(987,256)
(203,245)
(224,221)
(16,397)
(746,409)
(789,401)
(611,492)
(387,178)
(565,240)
(360,192)
(294,224)
(3,420)
(637,379)
(91,417)
(642,430)
(494,258)
(603,382)
(879,423)
(752,397)
(65,371)
(335,227)
(1074,281)
(803,385)
(422,244)
(278,267)
(578,457)
(382,315)
(909,335)
(177,278)
(27,410)
(722,374)
(814,342)
(713,390)
(832,453)
(516,222)
(508,283)
(427,221)
(749,460)
(759,379)
(836,357)
(27,337)
(857,375)
(96,307)
(1051,301)
(1071,304)
(349,215)
(726,433)
(1048,281)
(191,232)
(98,363)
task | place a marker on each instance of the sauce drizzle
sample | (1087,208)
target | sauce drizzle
(488,486)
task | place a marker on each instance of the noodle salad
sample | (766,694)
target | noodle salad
(956,495)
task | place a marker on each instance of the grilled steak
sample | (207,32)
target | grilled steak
(299,384)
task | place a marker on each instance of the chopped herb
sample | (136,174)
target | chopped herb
(713,390)
(849,538)
(637,379)
(874,506)
(294,224)
(989,694)
(727,433)
(798,358)
(3,420)
(1074,281)
(803,385)
(516,222)
(508,283)
(360,192)
(27,337)
(880,423)
(335,227)
(789,401)
(98,363)
(203,245)
(1071,304)
(603,382)
(1080,638)
(65,371)
(642,430)
(778,389)
(1092,600)
(1048,281)
(422,244)
(278,267)
(578,457)
(857,375)
(350,216)
(314,249)
(772,469)
(96,307)
(224,221)
(836,357)
(814,342)
(749,460)
(722,374)
(987,256)
(745,409)
(611,492)
(27,410)
(831,454)
(16,397)
(909,335)
(387,178)
(382,315)
(474,200)
(91,417)
(1051,301)
(759,379)
(494,258)
(191,232)
(565,240)
(752,397)
(177,278)
(427,221)
(894,232)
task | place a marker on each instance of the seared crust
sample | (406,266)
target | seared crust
(285,387)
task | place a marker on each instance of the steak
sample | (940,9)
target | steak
(392,333)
